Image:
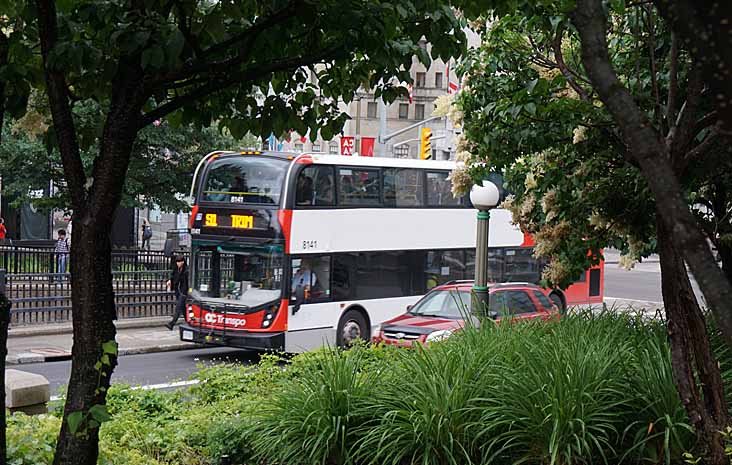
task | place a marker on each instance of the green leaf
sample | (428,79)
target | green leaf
(110,347)
(531,108)
(74,420)
(99,413)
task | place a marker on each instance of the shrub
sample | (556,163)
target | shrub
(310,420)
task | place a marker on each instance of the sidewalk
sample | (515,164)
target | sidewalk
(46,343)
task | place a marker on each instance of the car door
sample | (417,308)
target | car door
(546,307)
(520,306)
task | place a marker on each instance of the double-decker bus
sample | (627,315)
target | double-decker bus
(294,251)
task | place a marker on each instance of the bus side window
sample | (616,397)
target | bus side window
(312,273)
(315,186)
(403,187)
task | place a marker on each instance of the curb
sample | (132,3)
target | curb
(66,328)
(29,357)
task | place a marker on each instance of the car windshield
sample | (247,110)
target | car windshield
(444,304)
(245,179)
(237,274)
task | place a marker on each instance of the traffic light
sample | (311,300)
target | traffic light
(425,144)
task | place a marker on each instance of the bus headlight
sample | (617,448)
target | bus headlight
(440,335)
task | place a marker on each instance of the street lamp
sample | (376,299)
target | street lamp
(484,197)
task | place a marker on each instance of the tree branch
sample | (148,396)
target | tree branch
(673,84)
(248,36)
(60,109)
(698,151)
(4,50)
(216,85)
(568,74)
(652,59)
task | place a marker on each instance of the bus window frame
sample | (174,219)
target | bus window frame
(377,170)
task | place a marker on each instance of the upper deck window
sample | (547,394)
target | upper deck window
(245,179)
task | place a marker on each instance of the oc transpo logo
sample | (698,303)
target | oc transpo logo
(213,318)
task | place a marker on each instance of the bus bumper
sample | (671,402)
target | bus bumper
(242,339)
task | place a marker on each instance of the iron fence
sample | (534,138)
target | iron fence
(40,294)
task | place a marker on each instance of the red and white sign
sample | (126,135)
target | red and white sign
(347,144)
(367,146)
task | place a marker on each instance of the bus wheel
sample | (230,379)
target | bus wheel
(559,302)
(351,328)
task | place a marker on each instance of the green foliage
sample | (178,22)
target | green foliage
(592,388)
(161,167)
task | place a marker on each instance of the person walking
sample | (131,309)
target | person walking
(3,230)
(146,234)
(62,254)
(178,283)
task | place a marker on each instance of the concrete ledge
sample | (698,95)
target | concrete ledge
(63,328)
(24,389)
(24,357)
(161,348)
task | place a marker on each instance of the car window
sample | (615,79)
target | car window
(444,304)
(544,300)
(511,302)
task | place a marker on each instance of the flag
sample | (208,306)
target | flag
(451,86)
(367,146)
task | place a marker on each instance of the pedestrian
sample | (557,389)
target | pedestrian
(178,283)
(3,230)
(146,234)
(62,253)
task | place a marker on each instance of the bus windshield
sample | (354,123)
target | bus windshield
(245,179)
(237,274)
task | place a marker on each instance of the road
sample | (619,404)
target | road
(641,284)
(146,369)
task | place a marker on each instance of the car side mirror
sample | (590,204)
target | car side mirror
(410,307)
(299,298)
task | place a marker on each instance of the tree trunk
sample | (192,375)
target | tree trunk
(725,253)
(649,150)
(93,312)
(691,354)
(4,324)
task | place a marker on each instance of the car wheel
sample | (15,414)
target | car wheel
(557,300)
(351,328)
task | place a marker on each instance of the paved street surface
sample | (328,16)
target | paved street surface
(147,369)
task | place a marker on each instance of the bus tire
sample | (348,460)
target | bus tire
(558,299)
(351,327)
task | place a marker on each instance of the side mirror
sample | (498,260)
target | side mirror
(299,298)
(410,307)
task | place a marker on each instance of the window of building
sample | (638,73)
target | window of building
(315,186)
(402,151)
(439,190)
(333,149)
(298,147)
(371,110)
(403,187)
(403,111)
(358,187)
(438,80)
(419,111)
(421,80)
(316,147)
(313,275)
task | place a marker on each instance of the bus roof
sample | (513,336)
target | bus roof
(376,162)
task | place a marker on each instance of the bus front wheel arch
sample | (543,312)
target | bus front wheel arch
(558,299)
(353,325)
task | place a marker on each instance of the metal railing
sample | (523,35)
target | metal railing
(41,295)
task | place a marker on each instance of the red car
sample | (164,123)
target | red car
(442,311)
